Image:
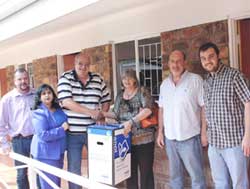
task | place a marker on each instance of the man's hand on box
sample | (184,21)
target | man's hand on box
(97,115)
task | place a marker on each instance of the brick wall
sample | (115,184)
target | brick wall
(190,39)
(101,62)
(45,71)
(68,61)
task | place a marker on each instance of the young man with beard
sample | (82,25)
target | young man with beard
(15,122)
(227,112)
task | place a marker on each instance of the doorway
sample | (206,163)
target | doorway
(239,37)
(244,55)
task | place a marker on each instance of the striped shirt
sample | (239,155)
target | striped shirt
(91,95)
(225,93)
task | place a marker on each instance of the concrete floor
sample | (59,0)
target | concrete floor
(9,176)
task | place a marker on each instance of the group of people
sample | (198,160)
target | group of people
(192,113)
(41,125)
(35,124)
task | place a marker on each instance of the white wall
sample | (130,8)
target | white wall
(145,21)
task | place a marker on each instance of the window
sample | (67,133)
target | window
(150,64)
(125,58)
(31,75)
(149,56)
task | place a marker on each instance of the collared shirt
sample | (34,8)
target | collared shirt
(94,93)
(225,93)
(48,141)
(181,105)
(15,115)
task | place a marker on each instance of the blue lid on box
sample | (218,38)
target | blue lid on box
(103,129)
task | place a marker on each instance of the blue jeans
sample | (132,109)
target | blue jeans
(188,154)
(228,167)
(75,143)
(22,146)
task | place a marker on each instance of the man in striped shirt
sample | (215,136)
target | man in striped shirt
(227,111)
(83,95)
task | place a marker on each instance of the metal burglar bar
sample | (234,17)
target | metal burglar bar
(144,56)
(151,67)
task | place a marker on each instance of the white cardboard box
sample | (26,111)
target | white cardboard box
(109,154)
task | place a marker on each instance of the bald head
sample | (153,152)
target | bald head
(178,53)
(82,56)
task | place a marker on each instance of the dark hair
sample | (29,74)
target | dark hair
(20,70)
(208,45)
(38,94)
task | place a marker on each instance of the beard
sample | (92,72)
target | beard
(210,67)
(23,87)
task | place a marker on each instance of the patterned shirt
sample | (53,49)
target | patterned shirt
(126,109)
(225,93)
(91,95)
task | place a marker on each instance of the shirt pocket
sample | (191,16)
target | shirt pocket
(185,96)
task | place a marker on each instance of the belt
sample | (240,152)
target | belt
(19,136)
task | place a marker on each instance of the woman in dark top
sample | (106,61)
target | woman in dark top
(131,106)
